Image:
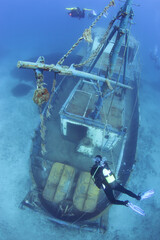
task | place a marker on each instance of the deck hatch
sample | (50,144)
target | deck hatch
(59,182)
(86,194)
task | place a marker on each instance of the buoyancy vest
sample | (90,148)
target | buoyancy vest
(108,175)
(101,175)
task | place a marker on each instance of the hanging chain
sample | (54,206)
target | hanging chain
(95,53)
(112,3)
(86,32)
(48,114)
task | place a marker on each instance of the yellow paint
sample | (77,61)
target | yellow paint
(86,194)
(59,182)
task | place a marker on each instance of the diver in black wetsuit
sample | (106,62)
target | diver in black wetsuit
(76,12)
(105,179)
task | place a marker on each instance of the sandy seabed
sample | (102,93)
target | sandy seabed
(19,118)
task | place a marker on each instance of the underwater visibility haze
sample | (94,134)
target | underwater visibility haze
(35,150)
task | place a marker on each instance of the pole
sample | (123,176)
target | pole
(65,70)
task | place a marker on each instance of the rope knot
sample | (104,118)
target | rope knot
(87,35)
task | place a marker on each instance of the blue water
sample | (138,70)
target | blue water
(33,28)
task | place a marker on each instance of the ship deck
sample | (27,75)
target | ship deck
(82,103)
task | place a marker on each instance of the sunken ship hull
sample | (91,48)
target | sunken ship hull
(63,184)
(89,113)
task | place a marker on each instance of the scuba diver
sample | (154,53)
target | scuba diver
(154,56)
(105,179)
(76,12)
